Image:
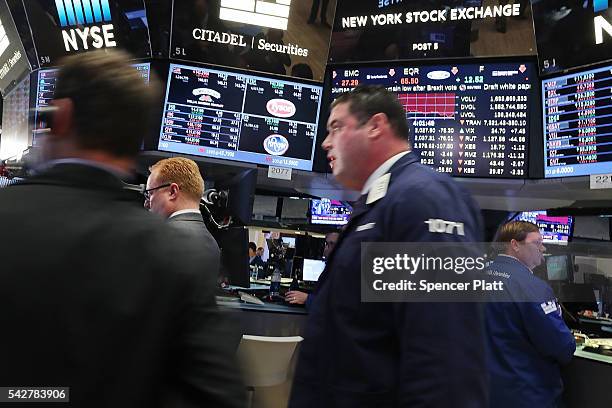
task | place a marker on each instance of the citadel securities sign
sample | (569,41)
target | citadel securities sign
(271,36)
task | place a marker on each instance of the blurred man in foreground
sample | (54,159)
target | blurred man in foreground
(96,294)
(357,354)
(174,189)
(527,338)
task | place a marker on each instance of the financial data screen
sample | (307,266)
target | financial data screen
(326,211)
(467,120)
(554,230)
(578,123)
(46,87)
(241,117)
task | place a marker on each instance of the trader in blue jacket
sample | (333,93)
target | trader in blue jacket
(358,354)
(527,340)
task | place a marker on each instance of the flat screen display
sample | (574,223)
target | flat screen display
(467,120)
(15,137)
(289,241)
(295,209)
(62,28)
(227,115)
(46,87)
(577,115)
(557,268)
(330,212)
(285,37)
(573,33)
(312,269)
(384,30)
(14,64)
(554,230)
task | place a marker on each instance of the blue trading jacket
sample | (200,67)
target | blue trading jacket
(527,341)
(383,355)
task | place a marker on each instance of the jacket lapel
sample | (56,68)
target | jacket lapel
(360,208)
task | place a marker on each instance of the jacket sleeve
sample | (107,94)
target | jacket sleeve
(547,330)
(202,366)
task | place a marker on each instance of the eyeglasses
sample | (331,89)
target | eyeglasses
(147,193)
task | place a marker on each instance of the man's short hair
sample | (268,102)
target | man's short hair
(112,102)
(182,171)
(366,101)
(253,246)
(517,230)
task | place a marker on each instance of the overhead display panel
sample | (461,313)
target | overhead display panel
(383,30)
(45,89)
(15,137)
(468,120)
(14,63)
(66,27)
(228,115)
(577,111)
(286,37)
(572,34)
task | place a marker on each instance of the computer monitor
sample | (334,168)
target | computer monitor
(240,192)
(233,243)
(312,269)
(330,212)
(577,123)
(554,229)
(464,119)
(290,241)
(557,268)
(241,117)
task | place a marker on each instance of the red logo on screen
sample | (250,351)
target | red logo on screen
(281,108)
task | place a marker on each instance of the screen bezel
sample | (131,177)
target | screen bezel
(535,164)
(567,73)
(235,71)
(312,222)
(315,260)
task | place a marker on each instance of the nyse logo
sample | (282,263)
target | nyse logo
(601,24)
(263,13)
(88,18)
(4,41)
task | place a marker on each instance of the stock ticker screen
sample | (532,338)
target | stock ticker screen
(46,87)
(241,117)
(578,123)
(467,120)
(554,230)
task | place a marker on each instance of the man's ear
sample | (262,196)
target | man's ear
(514,244)
(377,124)
(63,117)
(174,190)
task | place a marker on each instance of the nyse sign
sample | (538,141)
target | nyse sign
(600,23)
(81,28)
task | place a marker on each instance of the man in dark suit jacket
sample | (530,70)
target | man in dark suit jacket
(96,294)
(174,189)
(358,354)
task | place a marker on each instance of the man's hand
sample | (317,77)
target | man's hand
(296,297)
